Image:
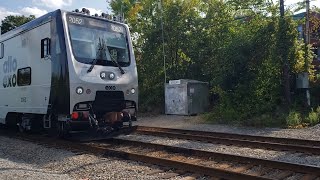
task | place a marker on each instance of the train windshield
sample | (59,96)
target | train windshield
(98,40)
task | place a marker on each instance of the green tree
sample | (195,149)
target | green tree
(233,45)
(11,22)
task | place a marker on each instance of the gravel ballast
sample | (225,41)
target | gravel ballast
(25,160)
(241,151)
(196,123)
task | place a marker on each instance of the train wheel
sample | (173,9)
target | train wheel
(58,129)
(62,130)
(22,123)
(29,123)
(21,129)
(130,123)
(12,121)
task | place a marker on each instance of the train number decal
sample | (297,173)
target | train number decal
(24,99)
(116,28)
(75,20)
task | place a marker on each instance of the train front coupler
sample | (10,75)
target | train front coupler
(109,122)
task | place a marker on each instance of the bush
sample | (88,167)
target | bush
(313,118)
(265,120)
(294,119)
(318,110)
(222,115)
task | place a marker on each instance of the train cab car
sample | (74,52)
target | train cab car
(68,71)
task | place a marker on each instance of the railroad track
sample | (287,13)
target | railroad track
(185,160)
(209,163)
(261,142)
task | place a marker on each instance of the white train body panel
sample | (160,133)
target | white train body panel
(58,71)
(23,51)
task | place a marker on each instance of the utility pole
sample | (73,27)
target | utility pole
(307,42)
(307,21)
(282,8)
(307,29)
(284,57)
(121,13)
(162,36)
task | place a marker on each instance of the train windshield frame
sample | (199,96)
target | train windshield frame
(101,40)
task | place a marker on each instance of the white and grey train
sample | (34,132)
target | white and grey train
(67,71)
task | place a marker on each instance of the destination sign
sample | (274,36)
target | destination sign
(95,23)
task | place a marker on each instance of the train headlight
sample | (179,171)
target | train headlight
(79,90)
(111,76)
(133,91)
(103,75)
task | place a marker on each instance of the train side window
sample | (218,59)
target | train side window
(1,50)
(45,47)
(24,76)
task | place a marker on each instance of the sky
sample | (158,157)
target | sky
(312,2)
(41,7)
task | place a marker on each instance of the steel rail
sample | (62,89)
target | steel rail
(261,142)
(110,149)
(199,169)
(314,170)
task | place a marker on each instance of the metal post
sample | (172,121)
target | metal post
(307,39)
(281,8)
(163,51)
(286,68)
(121,13)
(307,42)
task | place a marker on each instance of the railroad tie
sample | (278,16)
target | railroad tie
(284,174)
(309,177)
(242,168)
(169,175)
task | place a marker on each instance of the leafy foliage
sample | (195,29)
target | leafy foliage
(239,47)
(11,22)
(294,118)
(313,117)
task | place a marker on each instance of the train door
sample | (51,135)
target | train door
(40,68)
(2,111)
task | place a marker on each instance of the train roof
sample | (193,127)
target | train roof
(41,20)
(29,25)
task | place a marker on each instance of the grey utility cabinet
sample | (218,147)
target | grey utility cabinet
(186,97)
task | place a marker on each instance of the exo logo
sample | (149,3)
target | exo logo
(110,88)
(9,69)
(10,65)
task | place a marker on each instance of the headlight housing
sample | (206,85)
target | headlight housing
(79,90)
(133,91)
(111,76)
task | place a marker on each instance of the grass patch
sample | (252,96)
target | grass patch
(280,118)
(313,117)
(294,119)
(264,120)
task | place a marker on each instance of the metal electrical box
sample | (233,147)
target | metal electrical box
(302,81)
(186,97)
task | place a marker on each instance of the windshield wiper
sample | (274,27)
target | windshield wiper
(102,47)
(93,63)
(117,64)
(114,61)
